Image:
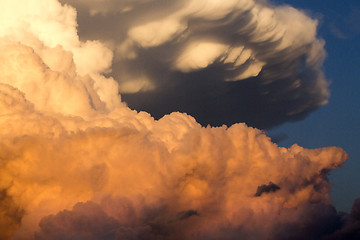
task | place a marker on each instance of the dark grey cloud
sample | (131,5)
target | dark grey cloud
(350,229)
(247,61)
(10,214)
(187,214)
(313,221)
(266,188)
(86,221)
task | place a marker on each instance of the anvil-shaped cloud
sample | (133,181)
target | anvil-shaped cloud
(221,62)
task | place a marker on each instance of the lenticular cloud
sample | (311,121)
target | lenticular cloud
(77,163)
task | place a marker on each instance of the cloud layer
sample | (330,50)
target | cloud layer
(77,163)
(239,61)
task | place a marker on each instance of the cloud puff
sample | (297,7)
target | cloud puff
(239,61)
(76,162)
(160,171)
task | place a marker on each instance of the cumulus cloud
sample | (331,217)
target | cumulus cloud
(76,162)
(240,61)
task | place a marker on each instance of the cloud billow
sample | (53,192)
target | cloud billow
(77,162)
(243,61)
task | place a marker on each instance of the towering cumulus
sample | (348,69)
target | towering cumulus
(77,163)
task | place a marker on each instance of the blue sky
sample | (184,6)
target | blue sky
(337,123)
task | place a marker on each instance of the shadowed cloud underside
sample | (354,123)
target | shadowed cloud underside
(243,61)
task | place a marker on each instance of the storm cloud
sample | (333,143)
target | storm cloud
(77,163)
(240,61)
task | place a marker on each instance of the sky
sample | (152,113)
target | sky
(335,124)
(183,119)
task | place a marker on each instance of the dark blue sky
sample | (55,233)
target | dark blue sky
(338,122)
